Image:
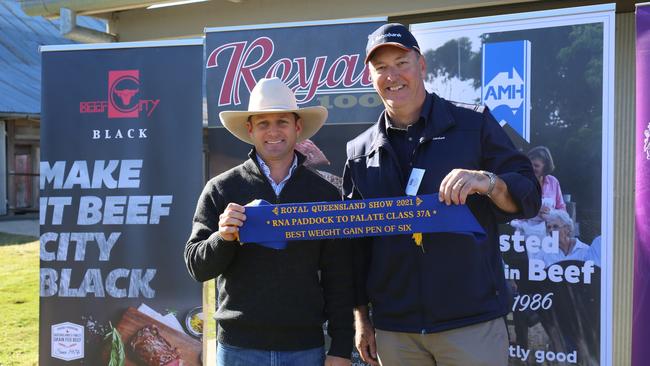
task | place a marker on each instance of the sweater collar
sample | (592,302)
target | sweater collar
(253,165)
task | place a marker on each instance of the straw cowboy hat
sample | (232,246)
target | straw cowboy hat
(273,96)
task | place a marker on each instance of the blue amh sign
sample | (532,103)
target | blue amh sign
(505,88)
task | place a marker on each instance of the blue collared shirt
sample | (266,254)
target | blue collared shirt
(277,187)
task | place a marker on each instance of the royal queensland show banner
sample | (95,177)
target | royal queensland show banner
(641,301)
(548,79)
(119,175)
(319,61)
(355,218)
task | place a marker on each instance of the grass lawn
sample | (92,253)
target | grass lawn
(19,275)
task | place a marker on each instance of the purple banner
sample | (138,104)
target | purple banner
(641,303)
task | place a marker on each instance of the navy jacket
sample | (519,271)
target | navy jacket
(454,280)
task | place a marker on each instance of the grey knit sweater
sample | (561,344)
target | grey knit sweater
(273,299)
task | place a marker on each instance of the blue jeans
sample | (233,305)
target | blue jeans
(236,356)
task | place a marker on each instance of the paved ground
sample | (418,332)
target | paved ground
(21,227)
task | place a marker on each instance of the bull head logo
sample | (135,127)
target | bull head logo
(123,87)
(126,95)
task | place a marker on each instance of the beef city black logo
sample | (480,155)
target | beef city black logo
(125,99)
(123,92)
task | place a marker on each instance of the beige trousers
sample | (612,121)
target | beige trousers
(483,344)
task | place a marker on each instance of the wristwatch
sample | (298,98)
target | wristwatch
(493,182)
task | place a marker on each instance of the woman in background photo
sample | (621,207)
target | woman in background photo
(542,161)
(552,202)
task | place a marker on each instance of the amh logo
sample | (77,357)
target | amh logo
(505,89)
(506,84)
(123,93)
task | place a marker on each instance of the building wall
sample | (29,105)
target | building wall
(624,130)
(190,20)
(23,160)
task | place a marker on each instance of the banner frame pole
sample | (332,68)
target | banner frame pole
(121,45)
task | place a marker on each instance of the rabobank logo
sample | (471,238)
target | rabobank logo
(506,84)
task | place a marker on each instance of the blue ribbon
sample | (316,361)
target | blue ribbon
(278,245)
(273,225)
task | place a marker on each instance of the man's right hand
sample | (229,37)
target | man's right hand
(230,220)
(364,337)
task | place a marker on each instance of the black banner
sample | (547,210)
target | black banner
(119,175)
(322,63)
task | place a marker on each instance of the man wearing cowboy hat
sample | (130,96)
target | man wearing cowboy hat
(442,301)
(272,303)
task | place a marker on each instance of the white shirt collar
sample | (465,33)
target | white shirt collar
(277,188)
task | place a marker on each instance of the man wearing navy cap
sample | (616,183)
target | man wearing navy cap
(439,299)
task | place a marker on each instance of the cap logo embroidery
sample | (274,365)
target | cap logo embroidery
(387,35)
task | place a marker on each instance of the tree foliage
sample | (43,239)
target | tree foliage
(566,99)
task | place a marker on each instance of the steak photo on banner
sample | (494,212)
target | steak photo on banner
(119,175)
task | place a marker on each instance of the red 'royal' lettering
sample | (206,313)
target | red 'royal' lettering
(238,67)
(304,80)
(312,83)
(246,71)
(285,64)
(231,71)
(349,63)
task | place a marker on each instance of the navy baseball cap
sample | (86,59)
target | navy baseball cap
(392,34)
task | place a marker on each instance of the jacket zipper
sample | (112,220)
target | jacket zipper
(392,155)
(420,142)
(423,330)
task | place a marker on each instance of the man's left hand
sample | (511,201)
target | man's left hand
(336,361)
(460,183)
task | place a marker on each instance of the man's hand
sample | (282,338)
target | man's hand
(460,183)
(364,336)
(336,361)
(230,220)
